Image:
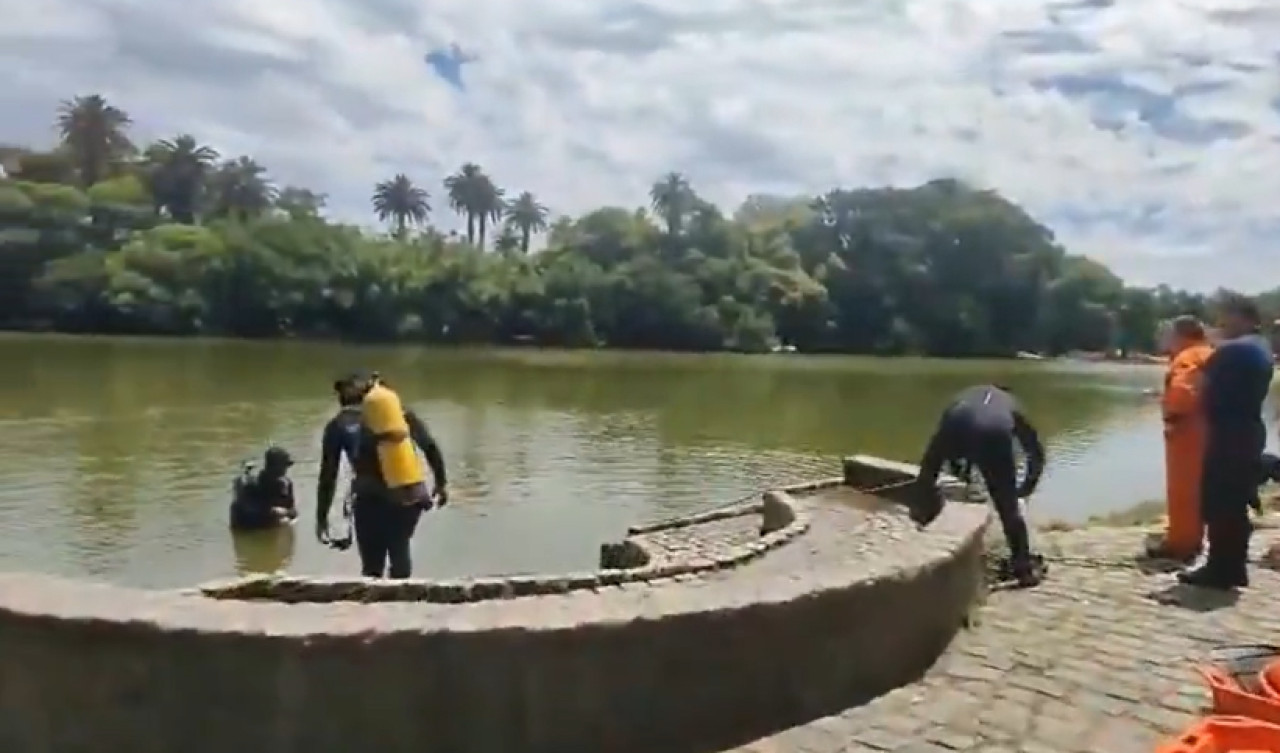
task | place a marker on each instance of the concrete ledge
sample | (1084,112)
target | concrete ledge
(684,664)
(682,546)
(717,539)
(890,479)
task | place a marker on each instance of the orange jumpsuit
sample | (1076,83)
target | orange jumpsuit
(1184,440)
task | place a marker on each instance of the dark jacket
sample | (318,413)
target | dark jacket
(980,414)
(1237,379)
(256,495)
(346,436)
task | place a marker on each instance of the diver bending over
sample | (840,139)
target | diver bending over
(978,429)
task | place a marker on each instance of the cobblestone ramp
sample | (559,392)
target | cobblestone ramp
(1098,659)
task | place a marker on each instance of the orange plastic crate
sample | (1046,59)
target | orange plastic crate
(1230,699)
(1226,734)
(1269,679)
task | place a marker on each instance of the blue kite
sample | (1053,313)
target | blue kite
(447,64)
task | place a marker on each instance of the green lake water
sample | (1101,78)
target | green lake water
(117,455)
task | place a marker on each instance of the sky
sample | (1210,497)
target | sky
(1146,133)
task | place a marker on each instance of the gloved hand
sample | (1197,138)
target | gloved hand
(924,506)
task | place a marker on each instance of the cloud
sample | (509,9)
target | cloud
(1146,133)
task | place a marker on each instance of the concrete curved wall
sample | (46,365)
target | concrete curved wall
(684,664)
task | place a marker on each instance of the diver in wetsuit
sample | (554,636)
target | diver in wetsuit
(264,499)
(978,429)
(1237,378)
(384,524)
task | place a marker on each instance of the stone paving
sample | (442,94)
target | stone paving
(704,540)
(1098,659)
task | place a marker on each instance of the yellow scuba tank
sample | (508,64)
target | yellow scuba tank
(382,413)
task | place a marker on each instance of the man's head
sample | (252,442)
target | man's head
(277,460)
(352,387)
(1238,315)
(1185,331)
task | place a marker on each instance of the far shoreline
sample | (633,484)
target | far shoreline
(20,332)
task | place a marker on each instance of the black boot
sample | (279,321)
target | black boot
(1226,566)
(1026,574)
(1237,564)
(1213,575)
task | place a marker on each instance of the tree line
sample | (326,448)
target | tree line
(100,234)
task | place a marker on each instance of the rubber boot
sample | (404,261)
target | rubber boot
(1026,574)
(1023,565)
(1226,567)
(1236,568)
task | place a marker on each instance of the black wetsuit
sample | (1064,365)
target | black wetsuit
(1237,378)
(978,428)
(384,525)
(252,507)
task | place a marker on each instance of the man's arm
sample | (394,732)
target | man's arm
(1034,448)
(1210,380)
(330,458)
(430,449)
(924,500)
(935,456)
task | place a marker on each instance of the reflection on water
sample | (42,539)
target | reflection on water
(266,551)
(117,456)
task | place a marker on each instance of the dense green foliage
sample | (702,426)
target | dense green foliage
(97,235)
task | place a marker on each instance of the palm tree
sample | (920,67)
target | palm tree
(489,207)
(400,201)
(93,131)
(461,187)
(473,195)
(672,198)
(241,189)
(178,171)
(527,216)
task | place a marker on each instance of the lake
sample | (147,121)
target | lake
(118,454)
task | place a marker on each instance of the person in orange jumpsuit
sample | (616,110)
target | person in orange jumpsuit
(1184,441)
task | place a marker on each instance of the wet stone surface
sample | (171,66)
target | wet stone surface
(708,540)
(1098,658)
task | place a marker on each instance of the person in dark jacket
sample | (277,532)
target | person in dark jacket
(384,525)
(978,429)
(264,499)
(1237,378)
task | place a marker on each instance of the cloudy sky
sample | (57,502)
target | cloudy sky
(1146,132)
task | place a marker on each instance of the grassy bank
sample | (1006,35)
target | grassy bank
(1147,513)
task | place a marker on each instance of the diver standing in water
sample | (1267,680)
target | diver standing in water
(978,429)
(263,498)
(385,511)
